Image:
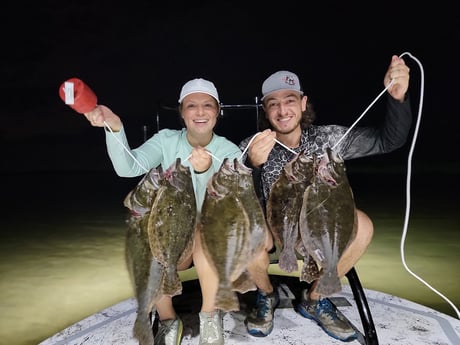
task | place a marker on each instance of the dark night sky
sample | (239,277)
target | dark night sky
(136,57)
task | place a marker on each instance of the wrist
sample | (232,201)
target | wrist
(200,172)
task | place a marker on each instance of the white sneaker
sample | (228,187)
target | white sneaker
(211,328)
(169,332)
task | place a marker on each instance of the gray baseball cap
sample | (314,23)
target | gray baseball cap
(198,85)
(281,80)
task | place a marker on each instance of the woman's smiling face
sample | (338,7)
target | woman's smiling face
(199,112)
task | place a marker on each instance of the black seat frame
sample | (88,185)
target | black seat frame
(370,334)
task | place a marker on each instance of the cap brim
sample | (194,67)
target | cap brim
(268,94)
(206,92)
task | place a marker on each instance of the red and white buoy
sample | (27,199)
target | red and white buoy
(79,96)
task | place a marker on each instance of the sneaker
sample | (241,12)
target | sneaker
(211,328)
(169,332)
(325,315)
(259,322)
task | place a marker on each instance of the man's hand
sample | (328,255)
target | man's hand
(399,73)
(260,147)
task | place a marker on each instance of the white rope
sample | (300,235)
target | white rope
(247,146)
(209,153)
(408,179)
(250,141)
(126,149)
(287,148)
(364,112)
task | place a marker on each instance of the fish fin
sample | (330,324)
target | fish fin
(310,271)
(187,252)
(244,283)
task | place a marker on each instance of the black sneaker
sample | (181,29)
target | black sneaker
(325,315)
(259,322)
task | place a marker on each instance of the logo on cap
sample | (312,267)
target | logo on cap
(289,80)
(281,80)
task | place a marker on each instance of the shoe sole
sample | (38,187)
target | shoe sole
(259,334)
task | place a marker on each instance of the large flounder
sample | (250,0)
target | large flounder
(171,224)
(145,272)
(328,219)
(283,208)
(225,233)
(260,234)
(258,226)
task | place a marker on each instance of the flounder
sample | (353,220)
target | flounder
(283,208)
(259,231)
(146,273)
(225,233)
(171,224)
(328,219)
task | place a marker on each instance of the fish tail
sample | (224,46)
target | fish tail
(288,261)
(329,284)
(244,283)
(142,330)
(227,299)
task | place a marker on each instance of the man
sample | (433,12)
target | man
(288,126)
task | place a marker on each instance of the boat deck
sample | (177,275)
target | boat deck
(397,321)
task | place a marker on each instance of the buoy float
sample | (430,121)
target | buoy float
(79,96)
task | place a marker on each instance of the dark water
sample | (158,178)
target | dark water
(62,245)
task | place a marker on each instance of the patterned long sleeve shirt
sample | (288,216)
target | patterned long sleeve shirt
(358,142)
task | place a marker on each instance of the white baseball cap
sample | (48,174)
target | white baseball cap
(198,85)
(281,80)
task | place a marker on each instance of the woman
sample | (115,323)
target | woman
(203,151)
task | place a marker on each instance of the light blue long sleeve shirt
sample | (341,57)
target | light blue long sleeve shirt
(163,148)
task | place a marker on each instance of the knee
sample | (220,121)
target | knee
(365,228)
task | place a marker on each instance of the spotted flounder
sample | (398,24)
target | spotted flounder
(145,272)
(225,233)
(284,205)
(260,236)
(171,224)
(258,227)
(327,220)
